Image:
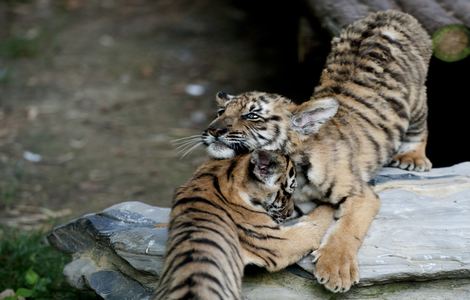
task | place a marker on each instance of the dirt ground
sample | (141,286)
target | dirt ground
(93,92)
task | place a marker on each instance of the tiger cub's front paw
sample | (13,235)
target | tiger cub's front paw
(336,267)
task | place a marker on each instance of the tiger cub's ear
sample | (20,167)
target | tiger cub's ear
(222,98)
(313,115)
(266,166)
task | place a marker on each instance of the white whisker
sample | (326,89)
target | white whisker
(186,137)
(191,149)
(187,143)
(186,147)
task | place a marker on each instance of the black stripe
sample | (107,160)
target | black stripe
(298,211)
(359,113)
(247,243)
(200,211)
(398,77)
(231,167)
(291,172)
(336,205)
(188,259)
(263,99)
(192,200)
(401,130)
(398,106)
(384,84)
(272,227)
(266,262)
(374,44)
(216,292)
(277,133)
(208,242)
(328,192)
(189,295)
(259,135)
(388,132)
(393,42)
(273,263)
(187,224)
(189,282)
(378,58)
(274,118)
(377,147)
(205,174)
(420,119)
(350,94)
(256,235)
(169,267)
(221,196)
(187,235)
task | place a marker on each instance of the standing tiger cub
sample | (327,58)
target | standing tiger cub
(368,110)
(225,218)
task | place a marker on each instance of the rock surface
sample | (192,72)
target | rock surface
(421,233)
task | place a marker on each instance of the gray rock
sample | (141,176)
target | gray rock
(421,233)
(423,229)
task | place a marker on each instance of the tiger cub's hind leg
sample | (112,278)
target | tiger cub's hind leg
(412,152)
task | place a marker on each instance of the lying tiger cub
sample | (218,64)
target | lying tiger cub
(369,110)
(224,218)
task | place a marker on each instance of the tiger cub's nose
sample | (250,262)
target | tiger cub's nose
(216,132)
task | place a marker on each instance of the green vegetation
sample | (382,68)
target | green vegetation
(32,268)
(17,47)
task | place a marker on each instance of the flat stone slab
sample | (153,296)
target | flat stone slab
(421,233)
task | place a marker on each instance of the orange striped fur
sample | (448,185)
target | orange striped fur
(369,110)
(227,216)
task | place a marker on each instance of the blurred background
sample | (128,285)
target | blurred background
(92,92)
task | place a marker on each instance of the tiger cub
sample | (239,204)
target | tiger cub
(219,224)
(369,110)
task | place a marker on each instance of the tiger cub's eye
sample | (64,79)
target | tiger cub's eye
(251,116)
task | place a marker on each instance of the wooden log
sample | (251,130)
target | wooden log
(451,39)
(429,13)
(334,15)
(451,43)
(459,9)
(377,5)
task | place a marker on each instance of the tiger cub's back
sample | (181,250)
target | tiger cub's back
(377,70)
(386,41)
(211,221)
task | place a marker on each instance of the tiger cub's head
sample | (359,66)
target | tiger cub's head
(270,183)
(257,120)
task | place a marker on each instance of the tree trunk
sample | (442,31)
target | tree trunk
(445,20)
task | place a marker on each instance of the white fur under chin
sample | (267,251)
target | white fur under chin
(220,151)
